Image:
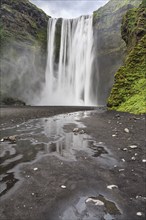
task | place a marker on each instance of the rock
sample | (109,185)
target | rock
(144,160)
(121,170)
(76,130)
(125,149)
(35,168)
(133,146)
(123,160)
(12,139)
(114,135)
(133,158)
(139,213)
(82,132)
(126,130)
(63,186)
(112,186)
(95,201)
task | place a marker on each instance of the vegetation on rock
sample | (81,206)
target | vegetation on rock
(129,90)
(23,51)
(110,47)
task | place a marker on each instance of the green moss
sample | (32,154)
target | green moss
(129,90)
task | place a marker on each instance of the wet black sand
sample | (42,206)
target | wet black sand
(38,195)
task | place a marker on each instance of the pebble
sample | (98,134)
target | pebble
(35,168)
(75,129)
(126,130)
(123,160)
(120,170)
(96,201)
(133,158)
(112,186)
(125,149)
(113,135)
(144,160)
(139,213)
(63,186)
(133,146)
(82,132)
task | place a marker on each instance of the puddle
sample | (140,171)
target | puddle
(47,136)
(87,208)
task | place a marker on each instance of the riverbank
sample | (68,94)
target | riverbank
(52,173)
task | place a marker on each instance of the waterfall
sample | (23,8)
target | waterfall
(71,82)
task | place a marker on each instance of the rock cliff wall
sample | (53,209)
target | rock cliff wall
(110,47)
(129,90)
(23,35)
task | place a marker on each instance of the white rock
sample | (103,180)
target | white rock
(82,132)
(95,201)
(112,186)
(75,129)
(120,170)
(123,160)
(113,135)
(35,168)
(126,130)
(133,146)
(133,158)
(144,160)
(2,140)
(139,213)
(125,149)
(63,186)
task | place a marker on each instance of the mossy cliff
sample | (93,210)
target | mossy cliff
(23,36)
(129,89)
(109,45)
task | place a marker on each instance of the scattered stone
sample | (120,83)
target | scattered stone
(82,132)
(126,130)
(112,186)
(125,149)
(115,166)
(100,142)
(63,186)
(139,213)
(141,198)
(144,160)
(121,170)
(136,154)
(35,168)
(76,130)
(12,139)
(133,158)
(32,194)
(133,146)
(123,160)
(95,201)
(113,135)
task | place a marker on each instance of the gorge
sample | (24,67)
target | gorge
(24,62)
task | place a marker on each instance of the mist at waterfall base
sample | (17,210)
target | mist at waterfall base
(70,80)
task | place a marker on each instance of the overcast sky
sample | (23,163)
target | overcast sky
(69,8)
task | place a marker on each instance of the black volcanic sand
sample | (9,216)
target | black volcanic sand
(54,177)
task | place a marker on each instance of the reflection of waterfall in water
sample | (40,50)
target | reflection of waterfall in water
(71,82)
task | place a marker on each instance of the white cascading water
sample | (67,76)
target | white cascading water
(71,83)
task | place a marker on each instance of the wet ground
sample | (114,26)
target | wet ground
(86,165)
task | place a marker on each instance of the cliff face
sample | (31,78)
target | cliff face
(23,34)
(129,90)
(110,47)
